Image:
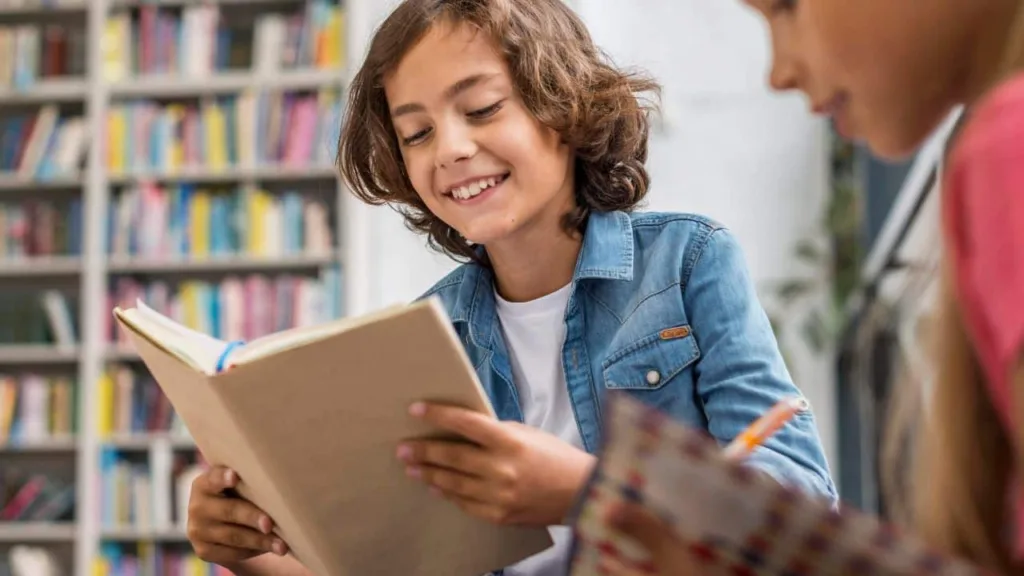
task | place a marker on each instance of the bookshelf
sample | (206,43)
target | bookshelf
(198,175)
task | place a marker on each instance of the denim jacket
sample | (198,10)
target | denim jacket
(662,307)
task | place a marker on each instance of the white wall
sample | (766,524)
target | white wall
(728,149)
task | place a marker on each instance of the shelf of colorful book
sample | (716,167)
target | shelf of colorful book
(45,92)
(33,354)
(121,4)
(220,264)
(39,266)
(131,559)
(56,445)
(182,86)
(10,183)
(133,534)
(46,144)
(272,40)
(41,7)
(228,175)
(151,557)
(36,532)
(140,441)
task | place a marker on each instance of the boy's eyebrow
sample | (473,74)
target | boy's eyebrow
(452,91)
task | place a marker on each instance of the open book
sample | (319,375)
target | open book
(310,418)
(734,520)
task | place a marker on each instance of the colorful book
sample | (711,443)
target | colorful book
(734,519)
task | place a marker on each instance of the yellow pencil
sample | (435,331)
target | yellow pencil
(755,434)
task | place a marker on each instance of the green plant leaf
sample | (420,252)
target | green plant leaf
(790,290)
(815,331)
(807,250)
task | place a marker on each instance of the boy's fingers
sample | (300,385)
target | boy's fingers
(234,536)
(218,554)
(240,512)
(217,480)
(474,426)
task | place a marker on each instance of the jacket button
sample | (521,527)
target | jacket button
(653,377)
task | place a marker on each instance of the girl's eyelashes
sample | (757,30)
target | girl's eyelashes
(486,112)
(782,6)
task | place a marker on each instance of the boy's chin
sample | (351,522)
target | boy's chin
(483,233)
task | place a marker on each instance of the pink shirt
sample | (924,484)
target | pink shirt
(983,214)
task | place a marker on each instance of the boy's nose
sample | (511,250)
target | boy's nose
(453,145)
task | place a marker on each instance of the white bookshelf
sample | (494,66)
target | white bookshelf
(92,272)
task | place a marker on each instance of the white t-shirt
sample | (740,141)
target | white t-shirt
(535,333)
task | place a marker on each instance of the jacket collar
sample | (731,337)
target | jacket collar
(606,254)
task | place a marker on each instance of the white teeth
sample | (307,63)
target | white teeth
(471,190)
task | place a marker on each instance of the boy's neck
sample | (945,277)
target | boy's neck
(534,265)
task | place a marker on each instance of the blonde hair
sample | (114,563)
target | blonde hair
(960,460)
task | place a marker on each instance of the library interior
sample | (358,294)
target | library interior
(183,152)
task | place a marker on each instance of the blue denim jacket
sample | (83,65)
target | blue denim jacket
(662,307)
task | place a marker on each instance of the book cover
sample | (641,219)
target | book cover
(735,519)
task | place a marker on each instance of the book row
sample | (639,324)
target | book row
(43,145)
(186,220)
(198,40)
(282,128)
(236,307)
(152,560)
(35,52)
(35,497)
(147,493)
(33,317)
(130,402)
(34,408)
(36,227)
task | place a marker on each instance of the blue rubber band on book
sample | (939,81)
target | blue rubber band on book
(227,350)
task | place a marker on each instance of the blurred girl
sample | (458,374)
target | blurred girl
(888,73)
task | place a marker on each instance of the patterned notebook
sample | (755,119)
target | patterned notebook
(740,522)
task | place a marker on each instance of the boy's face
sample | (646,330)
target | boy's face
(475,155)
(887,71)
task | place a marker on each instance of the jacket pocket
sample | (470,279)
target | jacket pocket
(652,361)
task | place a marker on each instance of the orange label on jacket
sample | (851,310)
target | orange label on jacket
(677,332)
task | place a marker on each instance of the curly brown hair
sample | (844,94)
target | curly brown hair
(563,79)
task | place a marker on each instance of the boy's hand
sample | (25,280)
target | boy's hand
(225,529)
(514,474)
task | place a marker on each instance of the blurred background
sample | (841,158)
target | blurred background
(133,164)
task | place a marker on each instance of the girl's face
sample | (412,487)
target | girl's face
(887,71)
(478,159)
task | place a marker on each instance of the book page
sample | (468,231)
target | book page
(202,351)
(295,337)
(198,350)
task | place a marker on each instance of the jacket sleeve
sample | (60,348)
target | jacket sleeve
(741,373)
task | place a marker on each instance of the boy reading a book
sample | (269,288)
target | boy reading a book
(502,134)
(889,73)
